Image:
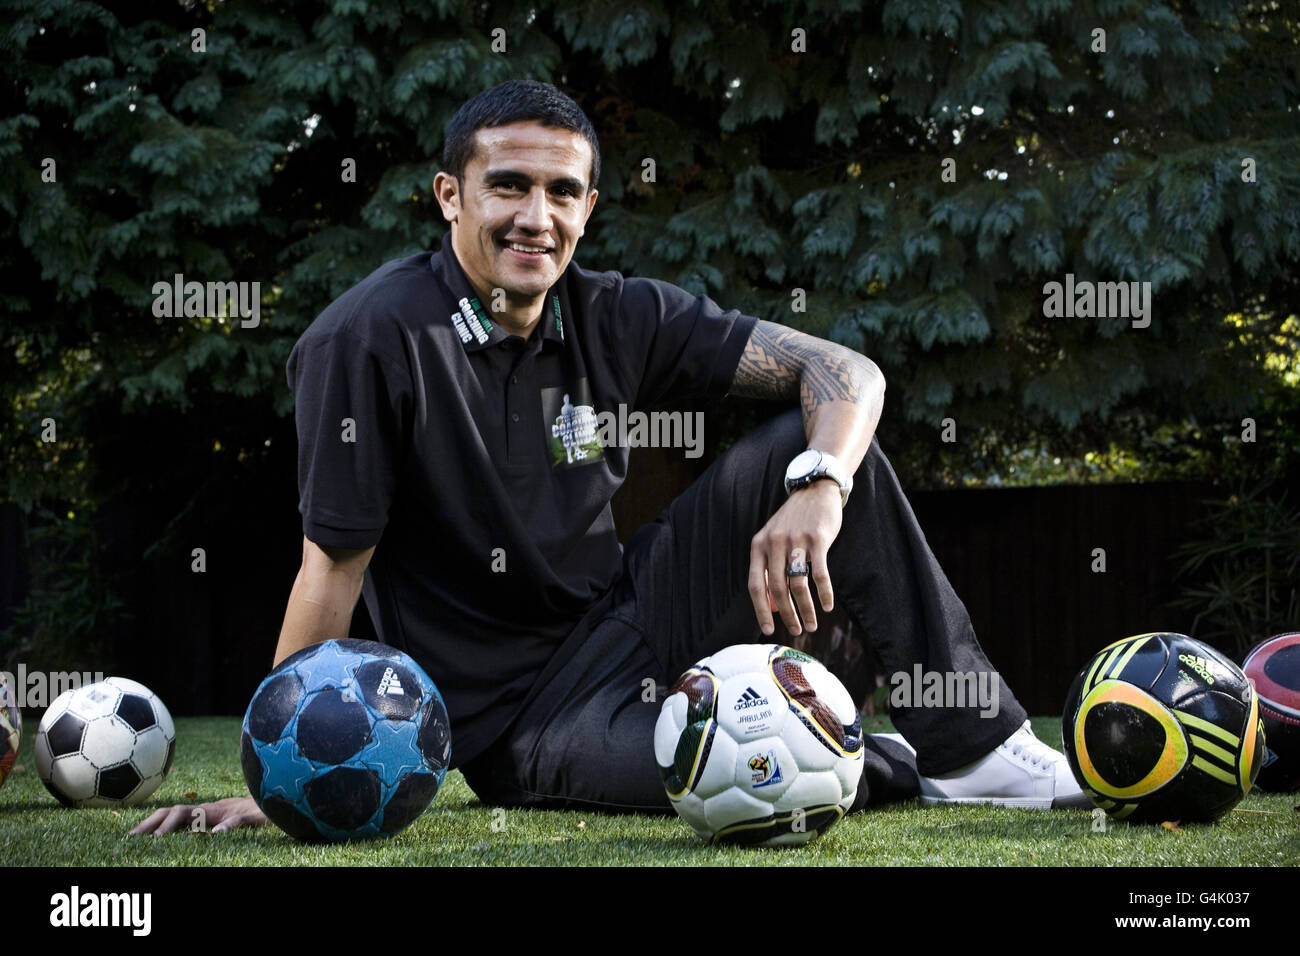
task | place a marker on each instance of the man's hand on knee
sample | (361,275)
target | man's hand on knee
(799,533)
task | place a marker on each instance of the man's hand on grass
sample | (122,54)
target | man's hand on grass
(218,817)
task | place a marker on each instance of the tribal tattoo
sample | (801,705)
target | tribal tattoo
(779,362)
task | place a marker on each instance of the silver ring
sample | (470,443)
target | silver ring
(797,569)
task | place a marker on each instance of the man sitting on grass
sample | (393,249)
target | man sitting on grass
(485,544)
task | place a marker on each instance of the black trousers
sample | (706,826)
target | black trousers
(584,736)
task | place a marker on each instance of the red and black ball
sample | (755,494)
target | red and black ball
(1273,666)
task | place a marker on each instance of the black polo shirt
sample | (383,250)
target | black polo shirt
(467,455)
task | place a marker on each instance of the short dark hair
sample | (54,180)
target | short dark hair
(515,101)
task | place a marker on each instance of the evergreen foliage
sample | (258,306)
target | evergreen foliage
(795,145)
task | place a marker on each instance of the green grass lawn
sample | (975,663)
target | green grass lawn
(458,830)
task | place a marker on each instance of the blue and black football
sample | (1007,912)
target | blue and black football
(345,740)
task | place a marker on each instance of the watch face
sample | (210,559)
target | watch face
(803,464)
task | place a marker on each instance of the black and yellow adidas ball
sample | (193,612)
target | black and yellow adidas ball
(1162,727)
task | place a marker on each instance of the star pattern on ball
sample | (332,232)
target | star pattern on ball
(392,751)
(291,769)
(325,666)
(341,757)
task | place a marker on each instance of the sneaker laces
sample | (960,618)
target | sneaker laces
(1025,746)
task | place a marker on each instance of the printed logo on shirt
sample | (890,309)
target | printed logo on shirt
(461,329)
(571,425)
(478,324)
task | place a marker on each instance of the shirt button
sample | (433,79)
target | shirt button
(514,416)
(514,379)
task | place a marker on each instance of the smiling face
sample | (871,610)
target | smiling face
(516,221)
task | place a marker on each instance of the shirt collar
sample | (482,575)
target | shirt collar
(472,322)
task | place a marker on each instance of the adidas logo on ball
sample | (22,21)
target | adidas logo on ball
(1197,664)
(749,698)
(390,684)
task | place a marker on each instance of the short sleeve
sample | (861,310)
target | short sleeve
(682,343)
(352,408)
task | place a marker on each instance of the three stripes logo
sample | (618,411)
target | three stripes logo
(1111,661)
(390,684)
(750,698)
(1210,746)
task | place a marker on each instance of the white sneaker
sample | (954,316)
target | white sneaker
(1022,772)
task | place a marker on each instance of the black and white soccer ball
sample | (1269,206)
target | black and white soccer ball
(759,744)
(107,744)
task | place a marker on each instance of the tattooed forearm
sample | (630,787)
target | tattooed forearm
(779,363)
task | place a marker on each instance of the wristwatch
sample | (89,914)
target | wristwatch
(812,465)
